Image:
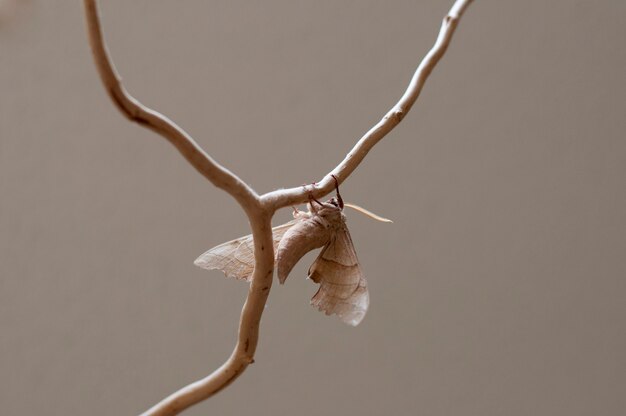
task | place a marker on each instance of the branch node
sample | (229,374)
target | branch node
(395,116)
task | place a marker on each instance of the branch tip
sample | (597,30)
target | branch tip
(285,197)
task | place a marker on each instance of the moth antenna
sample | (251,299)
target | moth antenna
(339,198)
(367,213)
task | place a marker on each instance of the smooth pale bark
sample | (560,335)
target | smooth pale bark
(259,209)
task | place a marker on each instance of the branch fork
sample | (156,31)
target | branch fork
(259,208)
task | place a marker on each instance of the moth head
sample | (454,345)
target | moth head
(331,211)
(336,203)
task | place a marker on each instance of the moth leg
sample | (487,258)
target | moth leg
(298,214)
(339,198)
(312,199)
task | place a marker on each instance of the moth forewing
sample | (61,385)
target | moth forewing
(313,231)
(343,288)
(236,258)
(303,237)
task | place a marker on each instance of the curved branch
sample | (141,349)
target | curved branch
(259,216)
(137,112)
(258,209)
(289,197)
(243,354)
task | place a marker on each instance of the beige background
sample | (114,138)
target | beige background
(499,290)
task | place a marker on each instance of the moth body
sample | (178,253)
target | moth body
(342,287)
(314,230)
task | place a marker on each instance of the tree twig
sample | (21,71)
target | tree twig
(287,197)
(259,210)
(137,112)
(258,215)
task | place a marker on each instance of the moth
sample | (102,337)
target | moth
(342,286)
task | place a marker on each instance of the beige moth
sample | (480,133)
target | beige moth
(342,286)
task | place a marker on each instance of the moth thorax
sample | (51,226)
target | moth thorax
(330,217)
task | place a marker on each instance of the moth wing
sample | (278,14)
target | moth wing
(236,258)
(343,289)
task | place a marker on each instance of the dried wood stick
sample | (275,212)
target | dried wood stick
(259,209)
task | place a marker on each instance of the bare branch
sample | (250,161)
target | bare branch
(248,338)
(289,197)
(259,216)
(258,209)
(137,112)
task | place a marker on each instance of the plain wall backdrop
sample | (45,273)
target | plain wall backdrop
(499,290)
